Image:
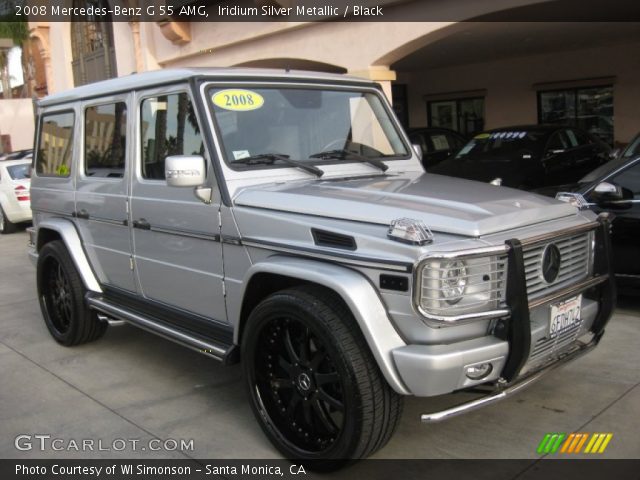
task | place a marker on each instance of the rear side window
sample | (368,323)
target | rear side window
(56,145)
(105,134)
(169,127)
(19,172)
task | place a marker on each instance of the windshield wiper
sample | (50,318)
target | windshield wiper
(270,158)
(342,153)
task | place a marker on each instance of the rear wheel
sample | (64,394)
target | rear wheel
(314,385)
(6,225)
(61,294)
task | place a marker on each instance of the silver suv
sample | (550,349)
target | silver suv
(283,220)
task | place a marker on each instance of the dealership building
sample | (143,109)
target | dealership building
(460,72)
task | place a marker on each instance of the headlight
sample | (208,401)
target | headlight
(450,287)
(454,281)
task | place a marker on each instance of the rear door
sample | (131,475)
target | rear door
(176,237)
(101,189)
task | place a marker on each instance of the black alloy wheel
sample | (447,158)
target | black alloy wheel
(314,385)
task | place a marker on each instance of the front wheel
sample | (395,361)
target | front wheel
(61,294)
(315,388)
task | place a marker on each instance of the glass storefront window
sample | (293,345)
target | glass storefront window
(588,108)
(465,115)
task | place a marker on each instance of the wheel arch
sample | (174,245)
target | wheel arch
(360,297)
(61,229)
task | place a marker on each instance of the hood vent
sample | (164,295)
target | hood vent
(322,238)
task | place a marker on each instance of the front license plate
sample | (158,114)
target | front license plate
(564,315)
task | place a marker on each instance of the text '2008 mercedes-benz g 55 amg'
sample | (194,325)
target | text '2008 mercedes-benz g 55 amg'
(282,219)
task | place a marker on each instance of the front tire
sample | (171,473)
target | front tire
(315,388)
(61,294)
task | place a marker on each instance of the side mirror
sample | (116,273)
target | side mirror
(184,170)
(610,195)
(418,150)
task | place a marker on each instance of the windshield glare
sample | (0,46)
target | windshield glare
(502,144)
(302,122)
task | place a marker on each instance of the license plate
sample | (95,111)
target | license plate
(564,315)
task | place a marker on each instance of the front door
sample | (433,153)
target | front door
(177,252)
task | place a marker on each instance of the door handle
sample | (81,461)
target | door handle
(142,224)
(82,214)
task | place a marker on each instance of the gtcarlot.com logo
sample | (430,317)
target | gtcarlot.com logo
(574,443)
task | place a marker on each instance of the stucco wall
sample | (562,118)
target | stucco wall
(17,121)
(511,96)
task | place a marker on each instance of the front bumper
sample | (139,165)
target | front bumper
(430,370)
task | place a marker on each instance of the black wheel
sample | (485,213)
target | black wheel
(6,226)
(61,294)
(315,388)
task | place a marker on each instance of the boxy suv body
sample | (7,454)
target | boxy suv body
(282,219)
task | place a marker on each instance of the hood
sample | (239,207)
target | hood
(444,204)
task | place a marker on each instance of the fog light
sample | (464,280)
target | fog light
(478,372)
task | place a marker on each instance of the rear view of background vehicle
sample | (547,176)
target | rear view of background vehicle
(15,200)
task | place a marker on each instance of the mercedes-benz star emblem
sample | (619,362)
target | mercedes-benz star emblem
(304,382)
(551,260)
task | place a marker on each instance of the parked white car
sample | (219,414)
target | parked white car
(15,197)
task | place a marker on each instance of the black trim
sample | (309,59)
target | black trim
(311,252)
(602,265)
(194,324)
(325,238)
(519,332)
(141,224)
(208,136)
(81,214)
(394,282)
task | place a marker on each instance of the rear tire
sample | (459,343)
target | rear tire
(315,388)
(61,294)
(6,225)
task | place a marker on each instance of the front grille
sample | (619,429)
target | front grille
(575,254)
(547,347)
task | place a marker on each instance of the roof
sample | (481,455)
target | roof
(167,76)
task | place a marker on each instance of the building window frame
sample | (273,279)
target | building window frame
(459,123)
(575,91)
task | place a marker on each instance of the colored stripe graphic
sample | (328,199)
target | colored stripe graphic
(573,443)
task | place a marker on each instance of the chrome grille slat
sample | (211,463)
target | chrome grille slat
(575,256)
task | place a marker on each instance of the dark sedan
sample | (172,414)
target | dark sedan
(436,144)
(614,187)
(527,157)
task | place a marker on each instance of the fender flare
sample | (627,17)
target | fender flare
(67,231)
(359,295)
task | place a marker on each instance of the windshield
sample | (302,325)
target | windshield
(503,145)
(262,127)
(633,148)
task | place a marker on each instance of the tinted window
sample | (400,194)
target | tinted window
(105,134)
(19,172)
(558,141)
(633,148)
(56,145)
(169,127)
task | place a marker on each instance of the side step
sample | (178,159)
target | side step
(227,354)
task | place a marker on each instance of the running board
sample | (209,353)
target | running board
(211,348)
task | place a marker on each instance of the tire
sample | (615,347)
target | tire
(6,225)
(315,388)
(61,294)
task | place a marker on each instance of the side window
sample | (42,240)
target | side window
(55,149)
(168,127)
(105,136)
(440,142)
(580,137)
(558,141)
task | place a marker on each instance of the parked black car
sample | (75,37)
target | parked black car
(615,187)
(436,143)
(632,149)
(527,157)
